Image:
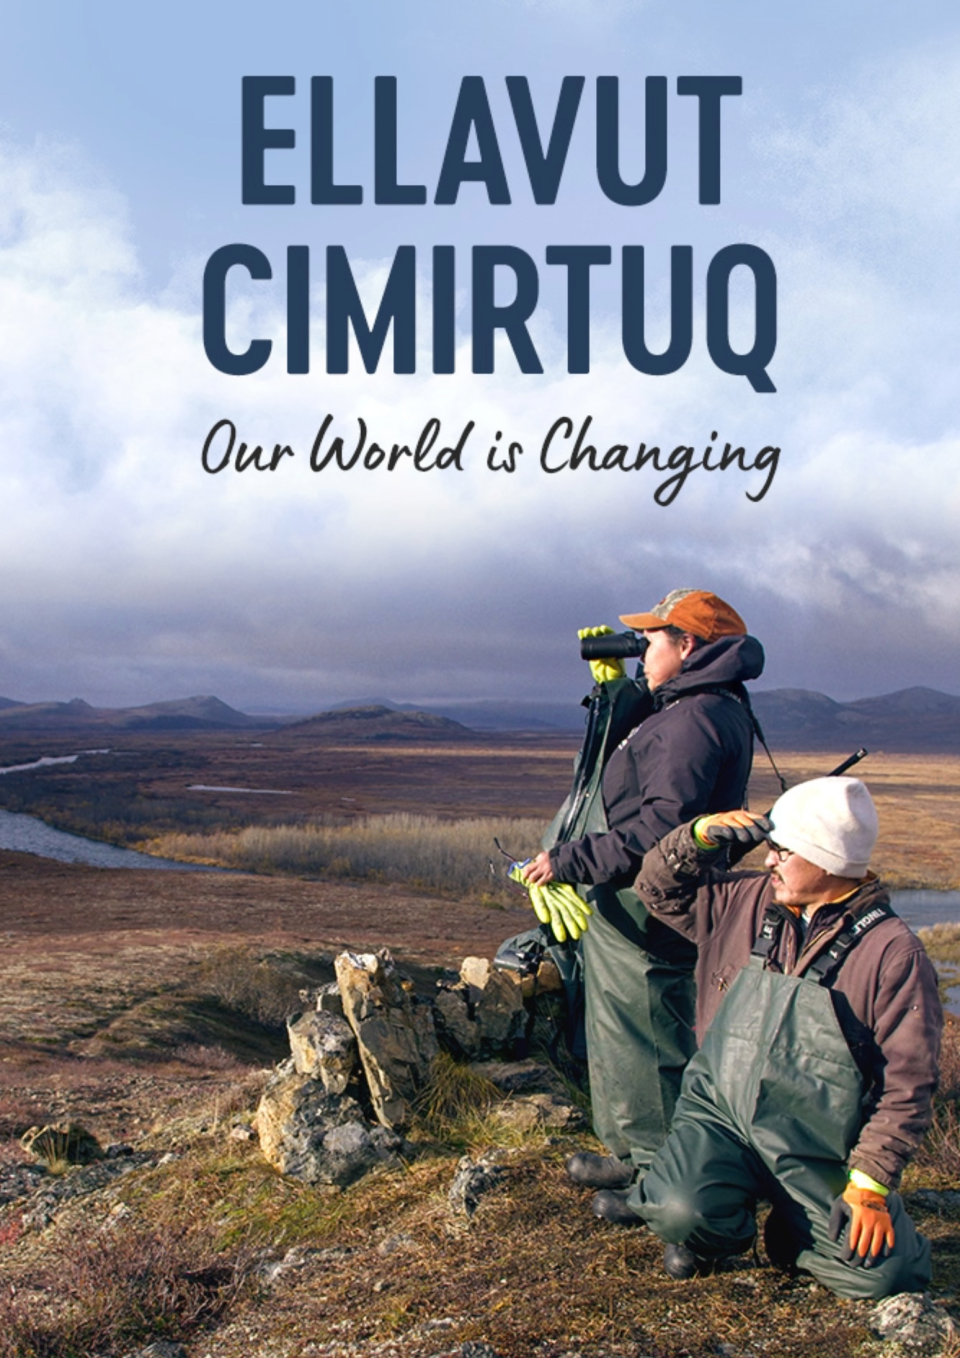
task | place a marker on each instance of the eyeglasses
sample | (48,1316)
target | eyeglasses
(782,854)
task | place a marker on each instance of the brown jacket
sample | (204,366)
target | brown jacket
(884,993)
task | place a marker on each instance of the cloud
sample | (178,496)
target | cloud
(133,574)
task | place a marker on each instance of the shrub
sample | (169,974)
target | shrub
(103,1291)
(250,985)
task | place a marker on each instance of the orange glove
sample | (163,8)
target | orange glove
(747,827)
(871,1229)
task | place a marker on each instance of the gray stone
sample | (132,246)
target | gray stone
(311,1134)
(118,1150)
(396,1035)
(472,1180)
(323,1046)
(912,1320)
(526,1112)
(19,1181)
(520,1077)
(56,1190)
(456,1025)
(483,1013)
(497,1000)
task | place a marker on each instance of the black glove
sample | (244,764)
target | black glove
(731,827)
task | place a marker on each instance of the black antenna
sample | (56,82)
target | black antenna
(848,763)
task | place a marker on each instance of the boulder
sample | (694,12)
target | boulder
(456,1025)
(484,1013)
(526,1112)
(324,1047)
(395,1032)
(913,1321)
(322,1138)
(521,1077)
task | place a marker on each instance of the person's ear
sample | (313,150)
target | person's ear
(688,644)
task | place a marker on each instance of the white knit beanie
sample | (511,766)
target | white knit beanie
(829,821)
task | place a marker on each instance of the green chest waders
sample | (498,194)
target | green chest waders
(638,984)
(771,1106)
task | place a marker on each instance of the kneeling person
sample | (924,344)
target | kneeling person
(820,1023)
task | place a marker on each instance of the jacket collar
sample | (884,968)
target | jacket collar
(723,663)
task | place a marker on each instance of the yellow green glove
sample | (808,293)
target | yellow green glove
(603,670)
(556,905)
(559,906)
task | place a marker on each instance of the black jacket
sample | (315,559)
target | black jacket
(691,756)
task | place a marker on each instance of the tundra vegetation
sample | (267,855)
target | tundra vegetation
(150,1007)
(201,1242)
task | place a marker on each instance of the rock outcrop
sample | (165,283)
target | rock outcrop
(362,1055)
(318,1136)
(484,1013)
(323,1046)
(395,1032)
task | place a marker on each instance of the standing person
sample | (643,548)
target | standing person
(689,754)
(820,1024)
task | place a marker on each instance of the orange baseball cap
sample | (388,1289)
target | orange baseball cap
(694,610)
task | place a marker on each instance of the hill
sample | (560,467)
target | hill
(912,720)
(377,722)
(180,714)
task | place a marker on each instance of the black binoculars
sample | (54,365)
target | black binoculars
(613,646)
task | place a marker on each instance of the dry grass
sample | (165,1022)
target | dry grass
(422,851)
(455,1104)
(265,989)
(387,1263)
(918,799)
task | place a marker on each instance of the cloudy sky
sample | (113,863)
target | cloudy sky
(131,575)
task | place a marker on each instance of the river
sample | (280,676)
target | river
(27,834)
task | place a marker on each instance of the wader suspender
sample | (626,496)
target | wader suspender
(824,968)
(771,928)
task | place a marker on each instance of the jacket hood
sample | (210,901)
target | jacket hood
(728,660)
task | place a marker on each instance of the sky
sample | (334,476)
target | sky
(132,575)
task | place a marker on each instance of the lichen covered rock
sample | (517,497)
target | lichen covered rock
(395,1032)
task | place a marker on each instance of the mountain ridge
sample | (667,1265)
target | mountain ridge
(914,719)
